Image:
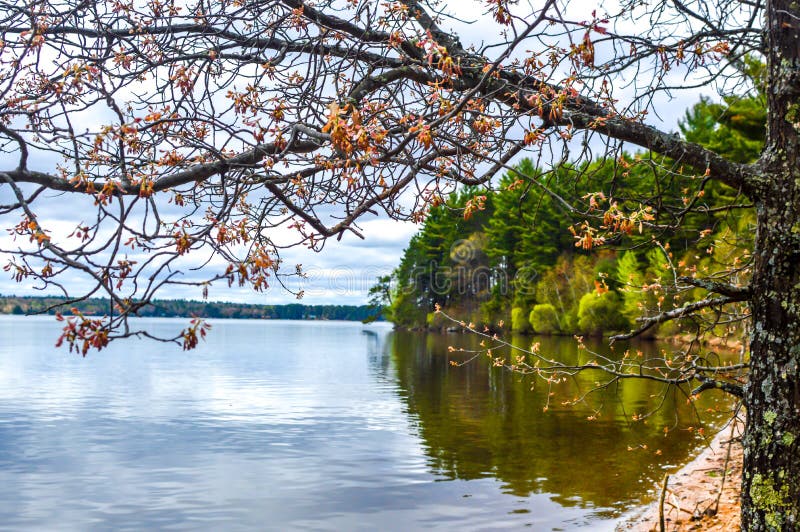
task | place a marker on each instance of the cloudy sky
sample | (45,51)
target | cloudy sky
(344,270)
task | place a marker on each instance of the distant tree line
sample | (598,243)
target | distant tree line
(201,309)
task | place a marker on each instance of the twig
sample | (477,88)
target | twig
(661,525)
(725,467)
(678,508)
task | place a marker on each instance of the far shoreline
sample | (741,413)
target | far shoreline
(183,308)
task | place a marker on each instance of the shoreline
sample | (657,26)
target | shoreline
(730,343)
(693,490)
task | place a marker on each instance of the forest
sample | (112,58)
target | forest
(518,255)
(171,308)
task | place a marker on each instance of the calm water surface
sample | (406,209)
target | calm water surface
(312,425)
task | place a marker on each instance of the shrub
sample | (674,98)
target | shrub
(598,313)
(519,320)
(435,320)
(544,319)
(405,312)
(631,279)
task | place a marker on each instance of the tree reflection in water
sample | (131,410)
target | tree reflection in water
(478,421)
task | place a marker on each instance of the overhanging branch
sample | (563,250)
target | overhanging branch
(707,383)
(651,321)
(741,292)
(197,173)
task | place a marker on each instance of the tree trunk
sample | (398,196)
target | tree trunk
(771,480)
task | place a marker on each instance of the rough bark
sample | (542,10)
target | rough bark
(771,480)
(771,490)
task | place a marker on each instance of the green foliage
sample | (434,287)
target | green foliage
(495,309)
(444,263)
(405,310)
(468,273)
(599,312)
(519,320)
(544,319)
(529,235)
(605,269)
(435,320)
(380,299)
(735,128)
(630,279)
(516,253)
(563,285)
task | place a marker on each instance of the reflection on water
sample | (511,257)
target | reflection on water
(304,425)
(477,421)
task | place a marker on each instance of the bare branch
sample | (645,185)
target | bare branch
(686,310)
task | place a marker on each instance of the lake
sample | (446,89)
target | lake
(285,425)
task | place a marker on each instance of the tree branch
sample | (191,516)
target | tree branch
(741,292)
(690,308)
(192,174)
(707,383)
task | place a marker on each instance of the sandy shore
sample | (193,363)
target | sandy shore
(692,491)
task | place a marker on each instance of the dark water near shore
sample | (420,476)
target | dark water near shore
(316,425)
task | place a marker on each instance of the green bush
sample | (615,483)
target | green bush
(405,312)
(631,279)
(435,320)
(519,320)
(544,319)
(569,321)
(598,313)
